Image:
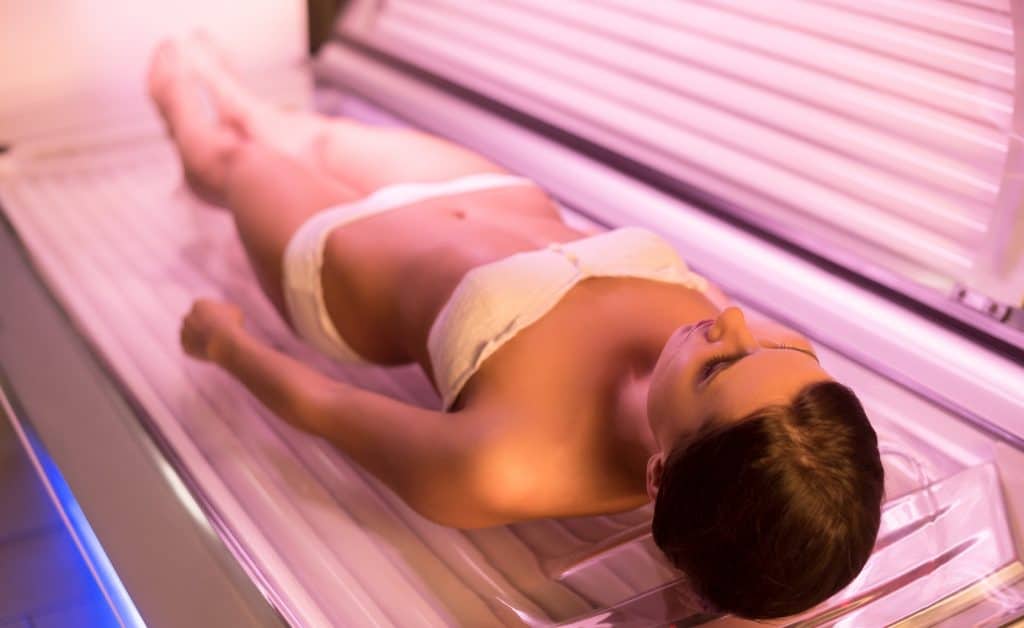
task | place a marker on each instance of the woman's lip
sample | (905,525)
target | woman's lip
(707,322)
(698,325)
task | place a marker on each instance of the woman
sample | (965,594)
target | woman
(580,373)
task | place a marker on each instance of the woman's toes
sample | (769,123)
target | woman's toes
(165,66)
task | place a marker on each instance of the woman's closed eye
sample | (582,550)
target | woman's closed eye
(809,352)
(716,363)
(720,361)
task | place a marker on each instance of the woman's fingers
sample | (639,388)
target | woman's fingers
(208,321)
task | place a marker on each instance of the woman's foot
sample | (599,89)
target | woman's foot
(213,67)
(291,133)
(206,135)
(210,114)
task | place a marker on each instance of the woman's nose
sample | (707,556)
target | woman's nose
(732,325)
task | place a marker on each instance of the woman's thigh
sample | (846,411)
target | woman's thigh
(367,157)
(271,195)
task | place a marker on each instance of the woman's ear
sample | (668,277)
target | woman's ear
(655,467)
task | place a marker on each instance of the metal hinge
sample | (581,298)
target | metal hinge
(1008,314)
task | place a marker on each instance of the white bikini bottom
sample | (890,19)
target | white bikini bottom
(304,256)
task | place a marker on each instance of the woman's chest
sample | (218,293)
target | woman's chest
(553,389)
(561,373)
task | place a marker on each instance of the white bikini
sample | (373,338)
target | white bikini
(491,303)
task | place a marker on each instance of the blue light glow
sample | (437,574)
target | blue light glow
(109,583)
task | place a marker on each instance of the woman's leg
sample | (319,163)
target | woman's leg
(362,157)
(275,169)
(270,194)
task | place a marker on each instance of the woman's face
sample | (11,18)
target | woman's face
(723,369)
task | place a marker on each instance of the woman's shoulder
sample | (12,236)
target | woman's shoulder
(540,461)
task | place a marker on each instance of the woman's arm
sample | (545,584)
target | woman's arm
(426,457)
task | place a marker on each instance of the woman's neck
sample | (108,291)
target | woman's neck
(632,429)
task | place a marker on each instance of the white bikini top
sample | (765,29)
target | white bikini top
(494,302)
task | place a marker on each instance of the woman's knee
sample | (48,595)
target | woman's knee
(261,176)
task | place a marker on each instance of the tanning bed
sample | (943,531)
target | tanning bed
(850,169)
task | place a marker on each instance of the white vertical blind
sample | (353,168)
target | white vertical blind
(882,127)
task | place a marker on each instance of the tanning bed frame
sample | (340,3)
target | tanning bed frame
(948,450)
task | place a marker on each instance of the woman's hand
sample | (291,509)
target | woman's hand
(208,326)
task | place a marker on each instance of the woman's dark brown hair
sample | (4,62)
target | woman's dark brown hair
(773,514)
